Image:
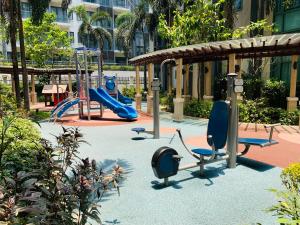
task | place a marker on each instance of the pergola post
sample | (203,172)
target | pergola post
(207,81)
(170,79)
(150,93)
(238,70)
(292,99)
(186,93)
(70,85)
(178,101)
(138,96)
(232,139)
(33,95)
(195,80)
(53,80)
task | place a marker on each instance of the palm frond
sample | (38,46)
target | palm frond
(124,18)
(81,12)
(101,34)
(99,15)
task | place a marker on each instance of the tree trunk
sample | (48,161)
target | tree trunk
(23,59)
(14,57)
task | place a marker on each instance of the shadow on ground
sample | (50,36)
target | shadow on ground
(210,173)
(253,164)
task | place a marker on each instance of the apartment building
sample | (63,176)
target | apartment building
(286,20)
(71,24)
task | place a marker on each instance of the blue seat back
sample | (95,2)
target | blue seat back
(218,125)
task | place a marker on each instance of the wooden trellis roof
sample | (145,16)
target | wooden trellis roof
(266,46)
(41,71)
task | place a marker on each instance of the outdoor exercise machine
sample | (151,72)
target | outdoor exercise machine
(155,85)
(222,128)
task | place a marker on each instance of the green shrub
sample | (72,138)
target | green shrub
(39,116)
(19,140)
(252,86)
(289,118)
(7,100)
(291,177)
(60,189)
(255,111)
(275,93)
(288,205)
(129,92)
(197,108)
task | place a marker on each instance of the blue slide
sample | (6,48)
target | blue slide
(123,111)
(124,99)
(66,107)
(53,111)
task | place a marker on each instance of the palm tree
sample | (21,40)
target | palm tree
(122,34)
(88,29)
(138,21)
(23,58)
(9,10)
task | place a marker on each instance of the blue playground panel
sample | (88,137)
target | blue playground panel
(123,111)
(67,106)
(110,86)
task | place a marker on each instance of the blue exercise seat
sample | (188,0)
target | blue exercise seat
(257,141)
(216,130)
(248,142)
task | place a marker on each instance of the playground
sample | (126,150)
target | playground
(222,196)
(179,170)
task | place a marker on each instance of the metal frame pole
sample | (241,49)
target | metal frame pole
(87,84)
(99,78)
(99,68)
(78,83)
(155,89)
(232,139)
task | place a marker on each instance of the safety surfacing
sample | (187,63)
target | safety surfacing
(223,196)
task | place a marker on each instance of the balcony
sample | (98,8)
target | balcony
(120,6)
(91,5)
(56,3)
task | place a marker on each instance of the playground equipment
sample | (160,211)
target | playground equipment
(111,86)
(222,128)
(87,93)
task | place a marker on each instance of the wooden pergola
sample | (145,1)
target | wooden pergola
(232,50)
(43,71)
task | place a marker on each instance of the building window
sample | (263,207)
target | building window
(61,14)
(70,16)
(26,10)
(71,35)
(238,5)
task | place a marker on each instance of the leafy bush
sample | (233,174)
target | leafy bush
(167,100)
(220,87)
(197,108)
(37,116)
(129,92)
(7,100)
(252,86)
(59,188)
(19,140)
(255,111)
(288,206)
(275,93)
(291,177)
